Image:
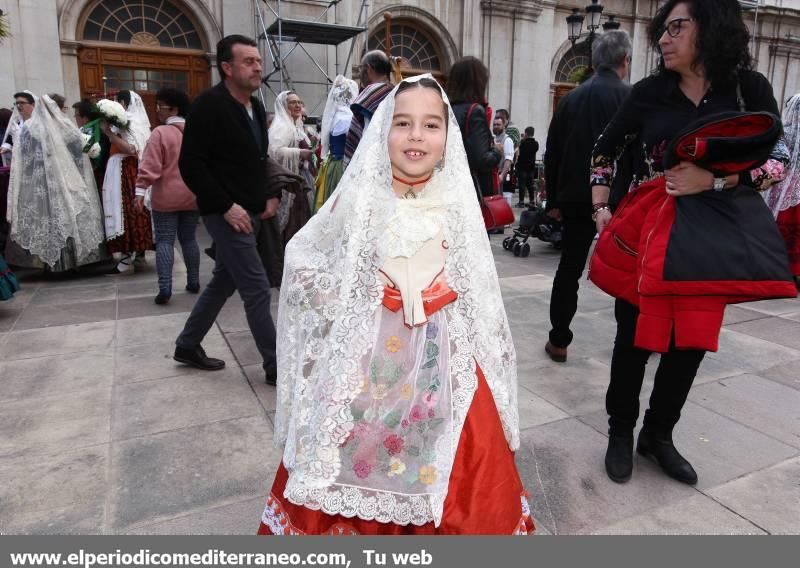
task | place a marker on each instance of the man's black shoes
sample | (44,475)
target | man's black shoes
(198,359)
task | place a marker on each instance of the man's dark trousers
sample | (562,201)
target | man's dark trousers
(579,231)
(238,267)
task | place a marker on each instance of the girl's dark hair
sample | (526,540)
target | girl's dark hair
(124,96)
(175,98)
(468,81)
(424,83)
(722,37)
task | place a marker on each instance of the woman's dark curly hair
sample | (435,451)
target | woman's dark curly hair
(722,37)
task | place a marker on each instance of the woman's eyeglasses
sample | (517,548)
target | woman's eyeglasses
(673,27)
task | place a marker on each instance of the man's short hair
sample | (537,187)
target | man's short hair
(23,95)
(529,131)
(84,108)
(504,114)
(610,49)
(378,61)
(225,49)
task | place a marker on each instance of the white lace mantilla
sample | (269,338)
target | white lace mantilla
(415,222)
(330,298)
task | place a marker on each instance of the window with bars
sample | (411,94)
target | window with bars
(410,43)
(143,80)
(154,23)
(577,58)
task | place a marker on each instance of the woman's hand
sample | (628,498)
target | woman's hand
(602,219)
(305,154)
(688,179)
(138,203)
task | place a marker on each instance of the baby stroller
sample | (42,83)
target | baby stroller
(534,222)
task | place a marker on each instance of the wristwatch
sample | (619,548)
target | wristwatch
(719,183)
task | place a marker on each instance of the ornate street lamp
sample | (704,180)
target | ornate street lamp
(593,13)
(574,23)
(611,24)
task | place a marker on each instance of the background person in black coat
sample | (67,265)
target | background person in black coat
(578,122)
(466,89)
(224,162)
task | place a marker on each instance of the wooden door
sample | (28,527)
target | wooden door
(105,71)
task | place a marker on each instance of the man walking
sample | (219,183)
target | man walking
(526,165)
(375,85)
(223,161)
(579,120)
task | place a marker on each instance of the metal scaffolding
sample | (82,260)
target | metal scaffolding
(283,36)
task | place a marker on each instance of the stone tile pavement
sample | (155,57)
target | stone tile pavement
(102,432)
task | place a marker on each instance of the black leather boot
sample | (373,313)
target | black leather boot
(619,457)
(658,446)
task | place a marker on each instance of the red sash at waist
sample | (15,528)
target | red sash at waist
(433,299)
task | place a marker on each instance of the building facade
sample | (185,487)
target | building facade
(95,47)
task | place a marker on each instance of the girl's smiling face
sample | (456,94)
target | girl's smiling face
(418,133)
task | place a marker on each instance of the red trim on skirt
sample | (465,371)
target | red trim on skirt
(485,494)
(789,226)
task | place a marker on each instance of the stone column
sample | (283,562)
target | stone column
(517,39)
(33,52)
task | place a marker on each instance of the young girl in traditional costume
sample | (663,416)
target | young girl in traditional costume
(397,384)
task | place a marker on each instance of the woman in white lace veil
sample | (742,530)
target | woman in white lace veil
(53,206)
(783,198)
(397,388)
(335,124)
(128,229)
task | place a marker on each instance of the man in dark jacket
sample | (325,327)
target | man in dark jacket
(579,120)
(224,162)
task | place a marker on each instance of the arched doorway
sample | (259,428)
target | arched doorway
(415,45)
(570,70)
(140,45)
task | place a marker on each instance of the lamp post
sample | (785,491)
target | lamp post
(574,24)
(594,13)
(611,24)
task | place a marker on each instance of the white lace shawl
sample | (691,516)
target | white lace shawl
(786,193)
(52,193)
(337,109)
(285,136)
(329,299)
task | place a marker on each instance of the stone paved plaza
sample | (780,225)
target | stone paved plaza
(102,432)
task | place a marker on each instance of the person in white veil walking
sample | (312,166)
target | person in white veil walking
(53,207)
(335,123)
(783,198)
(129,231)
(397,382)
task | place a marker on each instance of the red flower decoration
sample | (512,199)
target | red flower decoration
(394,444)
(362,469)
(418,414)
